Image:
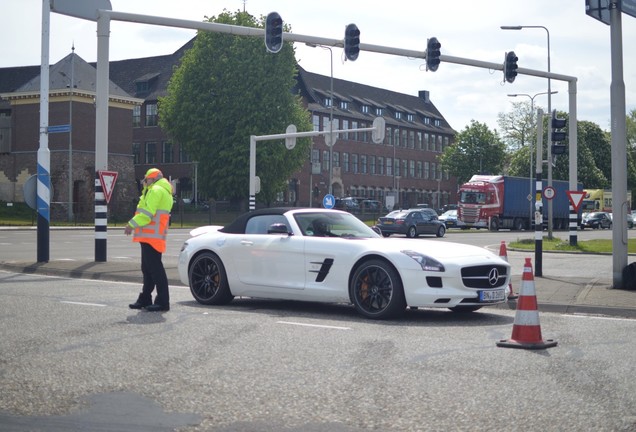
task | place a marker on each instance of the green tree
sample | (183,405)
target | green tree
(477,150)
(517,126)
(227,88)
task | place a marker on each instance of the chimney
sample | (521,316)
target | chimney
(426,95)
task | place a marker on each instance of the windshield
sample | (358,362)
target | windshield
(469,197)
(328,224)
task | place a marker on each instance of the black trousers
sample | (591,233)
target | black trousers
(154,277)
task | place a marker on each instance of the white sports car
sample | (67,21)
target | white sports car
(331,256)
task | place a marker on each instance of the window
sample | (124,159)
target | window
(328,102)
(183,155)
(363,164)
(151,114)
(389,166)
(136,150)
(365,109)
(372,165)
(405,138)
(446,142)
(151,152)
(396,137)
(389,135)
(345,162)
(354,135)
(438,122)
(378,111)
(412,169)
(354,163)
(398,115)
(426,141)
(409,117)
(136,116)
(316,121)
(325,160)
(345,125)
(426,170)
(396,167)
(432,143)
(344,105)
(315,155)
(380,165)
(405,167)
(362,136)
(419,141)
(336,159)
(418,173)
(439,143)
(433,171)
(411,139)
(167,154)
(260,224)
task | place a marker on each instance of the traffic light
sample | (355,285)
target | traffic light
(558,134)
(273,32)
(510,66)
(352,42)
(432,54)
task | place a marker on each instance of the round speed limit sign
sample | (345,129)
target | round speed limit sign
(549,192)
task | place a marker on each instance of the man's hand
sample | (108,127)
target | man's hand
(128,230)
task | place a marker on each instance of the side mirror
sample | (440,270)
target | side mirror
(278,228)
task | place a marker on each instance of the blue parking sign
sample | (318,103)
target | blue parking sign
(328,201)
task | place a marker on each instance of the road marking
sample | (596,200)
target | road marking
(598,317)
(313,325)
(83,304)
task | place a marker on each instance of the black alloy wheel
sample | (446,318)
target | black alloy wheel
(376,290)
(208,280)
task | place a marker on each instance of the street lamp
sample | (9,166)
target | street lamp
(530,144)
(330,115)
(520,27)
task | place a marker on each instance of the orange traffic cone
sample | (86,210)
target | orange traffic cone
(503,254)
(526,331)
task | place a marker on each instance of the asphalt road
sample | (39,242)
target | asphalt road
(74,357)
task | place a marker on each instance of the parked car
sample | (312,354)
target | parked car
(449,217)
(369,205)
(596,220)
(411,223)
(331,256)
(347,204)
(630,219)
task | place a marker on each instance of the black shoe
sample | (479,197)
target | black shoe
(138,305)
(157,308)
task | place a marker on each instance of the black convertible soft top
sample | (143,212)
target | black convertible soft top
(237,226)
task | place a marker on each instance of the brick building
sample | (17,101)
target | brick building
(405,164)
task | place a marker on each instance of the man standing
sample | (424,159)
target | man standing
(149,226)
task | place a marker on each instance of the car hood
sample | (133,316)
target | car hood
(437,249)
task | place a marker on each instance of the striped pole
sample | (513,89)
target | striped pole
(526,331)
(101,221)
(44,155)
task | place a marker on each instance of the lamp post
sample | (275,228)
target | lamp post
(330,114)
(520,27)
(530,144)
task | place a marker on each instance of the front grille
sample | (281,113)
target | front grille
(485,276)
(470,215)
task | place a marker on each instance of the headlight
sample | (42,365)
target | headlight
(426,262)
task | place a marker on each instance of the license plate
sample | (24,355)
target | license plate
(492,295)
(388,222)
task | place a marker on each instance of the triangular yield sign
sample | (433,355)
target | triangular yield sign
(576,198)
(108,179)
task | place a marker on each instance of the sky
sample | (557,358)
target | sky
(579,46)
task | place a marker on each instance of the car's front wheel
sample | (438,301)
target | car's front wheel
(376,290)
(208,280)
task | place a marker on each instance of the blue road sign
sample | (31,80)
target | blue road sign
(328,201)
(59,128)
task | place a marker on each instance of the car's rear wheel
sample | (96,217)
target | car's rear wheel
(441,231)
(376,290)
(208,280)
(465,309)
(385,234)
(412,232)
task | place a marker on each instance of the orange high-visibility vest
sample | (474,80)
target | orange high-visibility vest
(152,216)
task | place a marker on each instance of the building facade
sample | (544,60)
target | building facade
(404,167)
